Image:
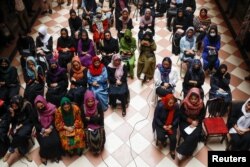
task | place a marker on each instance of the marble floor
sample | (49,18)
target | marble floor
(130,140)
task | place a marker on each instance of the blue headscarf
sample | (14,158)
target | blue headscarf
(31,73)
(165,71)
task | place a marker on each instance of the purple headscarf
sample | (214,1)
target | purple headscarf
(45,117)
(53,74)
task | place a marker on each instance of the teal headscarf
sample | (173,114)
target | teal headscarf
(68,116)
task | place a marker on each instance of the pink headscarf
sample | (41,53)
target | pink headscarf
(45,117)
(119,69)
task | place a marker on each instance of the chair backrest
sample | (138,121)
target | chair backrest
(235,107)
(216,107)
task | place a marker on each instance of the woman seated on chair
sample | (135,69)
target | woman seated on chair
(47,136)
(239,128)
(4,128)
(69,124)
(127,51)
(65,47)
(21,128)
(147,60)
(165,122)
(211,48)
(78,81)
(147,22)
(192,112)
(124,22)
(93,118)
(194,77)
(147,4)
(86,49)
(98,81)
(188,45)
(34,79)
(108,47)
(9,81)
(165,77)
(118,86)
(220,84)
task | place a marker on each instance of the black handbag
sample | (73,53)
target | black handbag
(172,11)
(212,55)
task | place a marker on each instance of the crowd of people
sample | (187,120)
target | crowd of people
(68,88)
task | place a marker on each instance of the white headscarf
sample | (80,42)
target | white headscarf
(45,39)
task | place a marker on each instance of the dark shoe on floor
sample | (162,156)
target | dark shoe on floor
(50,11)
(172,154)
(123,112)
(169,29)
(69,3)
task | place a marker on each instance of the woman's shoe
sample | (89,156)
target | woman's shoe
(44,161)
(172,154)
(123,112)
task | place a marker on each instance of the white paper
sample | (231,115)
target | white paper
(189,130)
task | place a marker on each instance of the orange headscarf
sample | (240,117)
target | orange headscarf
(77,73)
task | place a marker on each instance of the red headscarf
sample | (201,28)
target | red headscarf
(95,71)
(190,109)
(170,117)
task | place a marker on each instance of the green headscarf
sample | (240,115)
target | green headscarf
(68,116)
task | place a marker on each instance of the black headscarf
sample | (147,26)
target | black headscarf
(64,42)
(7,69)
(218,73)
(216,38)
(18,100)
(148,33)
(86,42)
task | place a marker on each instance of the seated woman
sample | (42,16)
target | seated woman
(108,47)
(188,45)
(98,81)
(119,6)
(194,77)
(219,83)
(192,112)
(165,77)
(146,61)
(46,134)
(107,8)
(4,128)
(44,47)
(118,86)
(124,22)
(78,81)
(34,79)
(201,25)
(211,45)
(57,82)
(9,82)
(93,119)
(99,26)
(147,21)
(21,128)
(26,47)
(75,22)
(127,51)
(165,122)
(69,125)
(239,128)
(65,47)
(86,49)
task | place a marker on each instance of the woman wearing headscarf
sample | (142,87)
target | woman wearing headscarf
(192,112)
(109,47)
(146,61)
(78,81)
(124,22)
(98,81)
(85,49)
(26,47)
(69,124)
(188,45)
(75,22)
(119,6)
(211,45)
(201,24)
(194,77)
(165,122)
(4,128)
(65,47)
(93,118)
(34,79)
(239,128)
(46,134)
(44,46)
(57,82)
(9,82)
(219,83)
(165,77)
(118,86)
(147,22)
(21,127)
(127,51)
